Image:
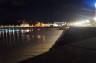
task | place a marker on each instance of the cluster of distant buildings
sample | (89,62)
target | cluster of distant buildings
(37,24)
(24,23)
(41,24)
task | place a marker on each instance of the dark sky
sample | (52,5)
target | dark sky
(44,10)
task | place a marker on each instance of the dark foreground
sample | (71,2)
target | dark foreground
(77,45)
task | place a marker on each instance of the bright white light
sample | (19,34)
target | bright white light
(94,18)
(27,30)
(87,21)
(78,24)
(95,5)
(81,23)
(56,25)
(24,25)
(24,31)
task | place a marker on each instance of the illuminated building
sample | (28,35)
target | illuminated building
(24,24)
(39,24)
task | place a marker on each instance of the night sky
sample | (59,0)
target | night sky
(12,11)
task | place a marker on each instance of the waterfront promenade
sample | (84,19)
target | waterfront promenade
(77,45)
(20,44)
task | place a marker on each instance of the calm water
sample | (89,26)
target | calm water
(20,44)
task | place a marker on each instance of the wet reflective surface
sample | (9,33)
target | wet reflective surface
(20,44)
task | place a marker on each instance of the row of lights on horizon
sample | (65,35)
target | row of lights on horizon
(36,25)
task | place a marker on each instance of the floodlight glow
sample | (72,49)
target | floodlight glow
(77,24)
(87,21)
(94,18)
(56,25)
(81,23)
(95,5)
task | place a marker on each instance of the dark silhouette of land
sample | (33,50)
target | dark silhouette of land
(76,45)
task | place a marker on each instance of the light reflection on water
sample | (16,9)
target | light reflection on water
(21,44)
(15,37)
(11,37)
